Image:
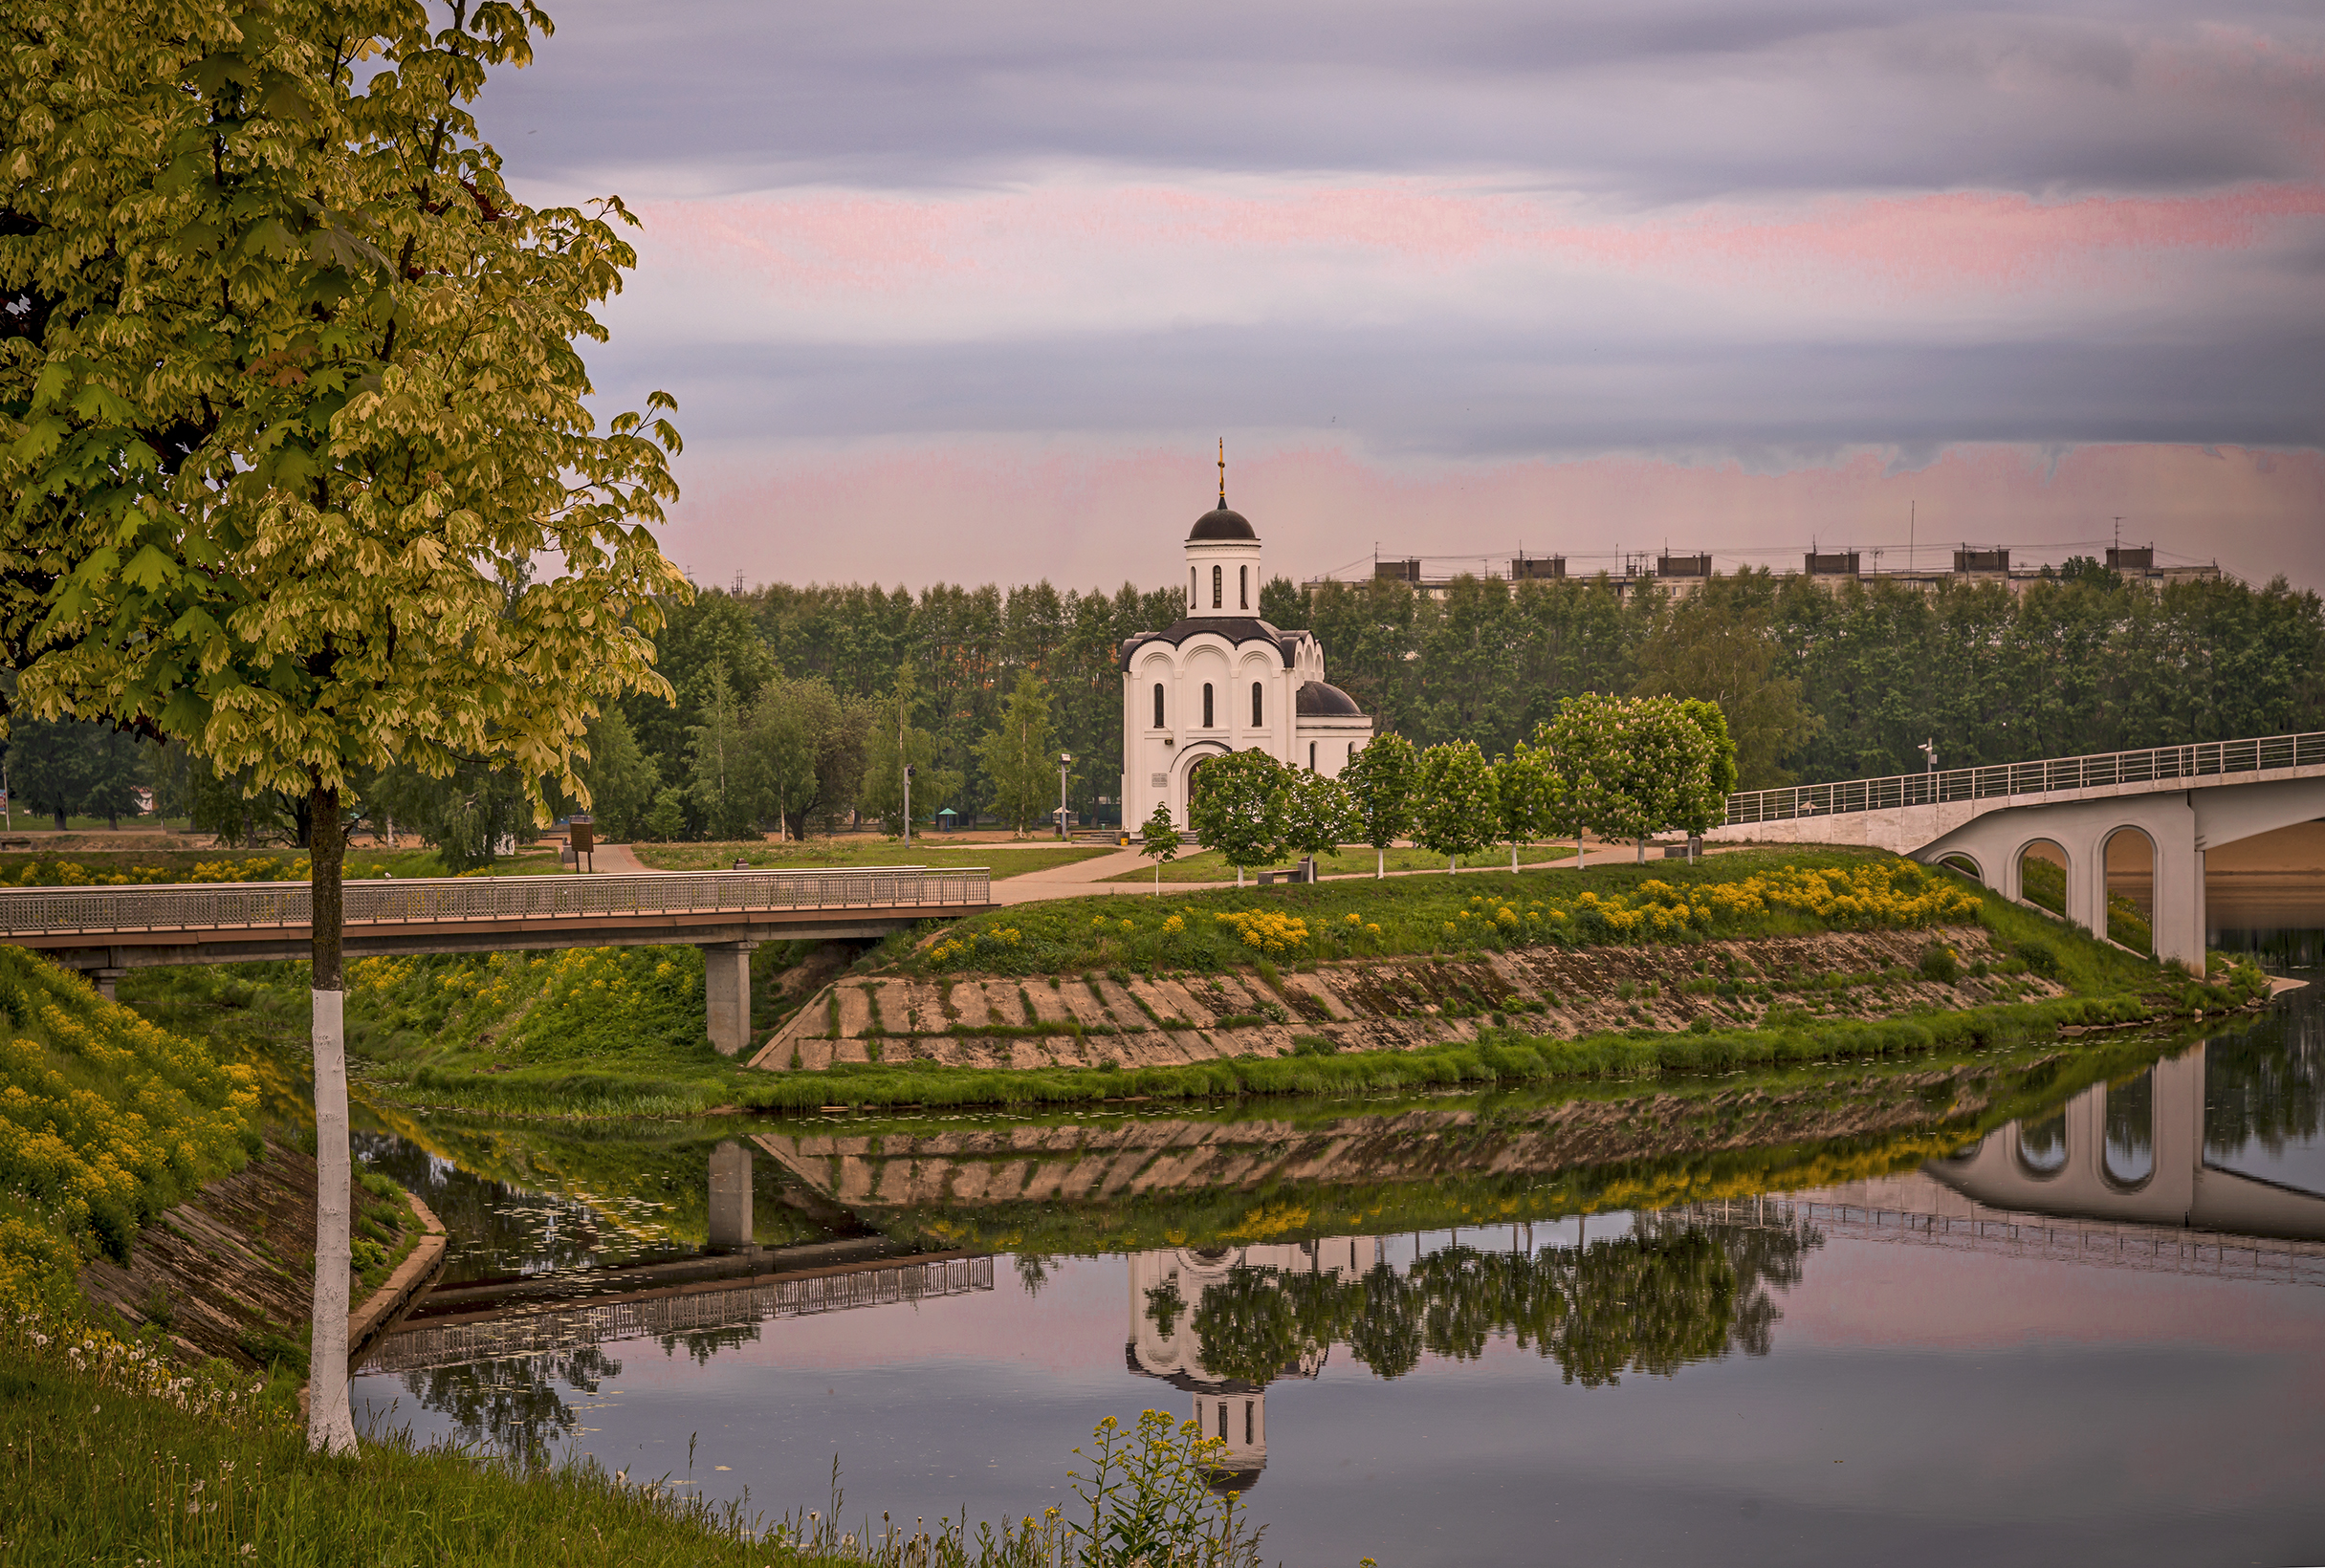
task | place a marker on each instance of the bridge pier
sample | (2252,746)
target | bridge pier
(729,1197)
(726,993)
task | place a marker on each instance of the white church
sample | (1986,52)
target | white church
(1224,680)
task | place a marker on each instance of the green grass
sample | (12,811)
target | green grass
(103,1476)
(1004,859)
(1362,918)
(1204,866)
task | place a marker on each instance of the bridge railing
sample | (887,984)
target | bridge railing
(2207,759)
(26,911)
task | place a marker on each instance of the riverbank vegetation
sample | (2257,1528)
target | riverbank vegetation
(1002,859)
(619,1031)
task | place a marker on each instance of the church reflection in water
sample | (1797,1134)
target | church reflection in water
(1222,1324)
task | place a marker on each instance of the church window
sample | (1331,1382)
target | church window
(1311,756)
(1218,587)
(1248,1438)
(1242,578)
(1207,705)
(1191,599)
(1255,720)
(1222,1421)
(1158,718)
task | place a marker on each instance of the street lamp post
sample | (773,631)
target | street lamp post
(1929,751)
(1065,760)
(907,805)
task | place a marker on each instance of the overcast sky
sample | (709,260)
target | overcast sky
(958,292)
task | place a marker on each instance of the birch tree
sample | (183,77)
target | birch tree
(294,432)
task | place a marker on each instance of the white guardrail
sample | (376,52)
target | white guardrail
(204,907)
(2159,764)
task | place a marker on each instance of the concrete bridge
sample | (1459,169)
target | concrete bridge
(106,931)
(2180,800)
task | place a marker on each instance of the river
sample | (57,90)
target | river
(2012,1308)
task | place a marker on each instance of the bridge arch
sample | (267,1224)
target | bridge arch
(1966,864)
(2046,884)
(2139,937)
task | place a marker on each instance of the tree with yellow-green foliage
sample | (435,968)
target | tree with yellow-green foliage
(294,430)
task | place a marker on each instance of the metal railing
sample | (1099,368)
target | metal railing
(2207,759)
(207,906)
(421,1345)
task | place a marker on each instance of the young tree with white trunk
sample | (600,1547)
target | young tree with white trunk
(296,433)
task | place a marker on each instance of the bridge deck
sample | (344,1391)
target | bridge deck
(2156,767)
(229,922)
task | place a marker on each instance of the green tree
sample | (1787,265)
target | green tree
(1526,796)
(1381,780)
(789,725)
(1454,812)
(623,780)
(1282,603)
(1720,645)
(301,406)
(1318,814)
(1634,766)
(1020,755)
(52,765)
(720,788)
(1703,803)
(1237,809)
(1158,840)
(896,741)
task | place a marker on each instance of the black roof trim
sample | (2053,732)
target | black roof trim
(1236,629)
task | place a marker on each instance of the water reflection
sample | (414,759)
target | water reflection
(1398,1284)
(2042,1144)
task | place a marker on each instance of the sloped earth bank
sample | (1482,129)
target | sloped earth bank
(231,1272)
(1388,1004)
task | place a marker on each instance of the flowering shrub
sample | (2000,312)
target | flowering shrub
(105,1119)
(73,874)
(1270,930)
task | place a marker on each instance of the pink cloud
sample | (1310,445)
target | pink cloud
(1959,241)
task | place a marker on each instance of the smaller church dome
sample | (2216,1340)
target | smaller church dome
(1219,523)
(1316,700)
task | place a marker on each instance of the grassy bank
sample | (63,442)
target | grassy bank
(1004,859)
(105,1471)
(1206,866)
(1757,892)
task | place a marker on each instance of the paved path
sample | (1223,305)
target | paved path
(1085,878)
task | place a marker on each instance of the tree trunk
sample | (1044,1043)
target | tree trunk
(1579,861)
(1380,864)
(330,1425)
(60,821)
(1513,855)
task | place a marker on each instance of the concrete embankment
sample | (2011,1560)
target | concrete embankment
(229,1273)
(1388,1004)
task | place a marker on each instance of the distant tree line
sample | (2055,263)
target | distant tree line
(799,708)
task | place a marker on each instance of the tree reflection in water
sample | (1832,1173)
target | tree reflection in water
(513,1407)
(1670,1292)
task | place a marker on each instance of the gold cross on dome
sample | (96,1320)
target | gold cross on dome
(1222,474)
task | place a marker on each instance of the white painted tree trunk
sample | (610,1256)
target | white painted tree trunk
(330,1425)
(1579,861)
(1513,855)
(1380,869)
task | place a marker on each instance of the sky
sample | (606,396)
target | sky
(957,293)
